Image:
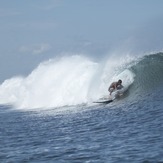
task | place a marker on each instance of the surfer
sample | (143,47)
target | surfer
(115,86)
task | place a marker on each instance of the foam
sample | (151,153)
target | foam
(68,81)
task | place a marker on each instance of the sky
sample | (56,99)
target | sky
(33,31)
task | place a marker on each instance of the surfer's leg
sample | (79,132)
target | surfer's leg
(111,90)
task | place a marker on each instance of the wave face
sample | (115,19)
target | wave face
(148,73)
(75,80)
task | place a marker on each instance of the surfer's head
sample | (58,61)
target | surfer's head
(119,81)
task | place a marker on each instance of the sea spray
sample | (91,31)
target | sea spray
(66,81)
(52,83)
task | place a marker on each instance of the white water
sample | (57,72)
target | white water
(68,81)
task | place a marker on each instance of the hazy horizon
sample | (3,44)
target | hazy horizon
(35,31)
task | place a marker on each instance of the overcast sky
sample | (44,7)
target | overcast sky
(35,30)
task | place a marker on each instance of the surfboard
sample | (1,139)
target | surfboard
(103,102)
(106,100)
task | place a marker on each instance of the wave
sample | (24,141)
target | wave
(149,73)
(76,79)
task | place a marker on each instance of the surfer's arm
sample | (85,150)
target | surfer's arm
(119,87)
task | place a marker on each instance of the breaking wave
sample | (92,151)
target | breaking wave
(76,79)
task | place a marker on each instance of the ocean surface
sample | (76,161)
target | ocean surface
(49,115)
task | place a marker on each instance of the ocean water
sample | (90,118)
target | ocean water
(49,115)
